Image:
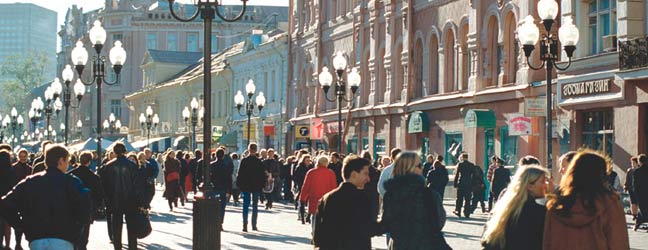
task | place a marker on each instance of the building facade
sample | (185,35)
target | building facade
(439,77)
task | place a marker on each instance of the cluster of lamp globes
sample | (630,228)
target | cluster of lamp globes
(250,88)
(13,115)
(339,64)
(97,35)
(186,114)
(111,120)
(529,34)
(149,118)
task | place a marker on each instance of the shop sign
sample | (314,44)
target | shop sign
(217,132)
(302,131)
(535,107)
(418,122)
(518,124)
(586,88)
(268,128)
(332,127)
(317,129)
(252,131)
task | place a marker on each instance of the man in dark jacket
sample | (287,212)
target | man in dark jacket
(463,181)
(272,167)
(39,163)
(221,177)
(51,206)
(640,179)
(151,171)
(287,179)
(123,195)
(251,179)
(22,170)
(501,179)
(93,183)
(336,166)
(194,168)
(342,221)
(478,188)
(437,177)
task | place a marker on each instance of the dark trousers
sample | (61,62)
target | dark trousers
(269,199)
(222,195)
(477,198)
(287,189)
(18,232)
(464,195)
(235,195)
(82,243)
(109,224)
(117,223)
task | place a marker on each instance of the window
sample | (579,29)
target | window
(151,40)
(509,147)
(493,54)
(115,108)
(214,43)
(598,131)
(434,67)
(418,70)
(117,37)
(192,42)
(453,148)
(601,23)
(172,41)
(449,52)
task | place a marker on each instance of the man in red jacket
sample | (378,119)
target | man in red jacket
(318,182)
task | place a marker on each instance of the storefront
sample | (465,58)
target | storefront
(418,126)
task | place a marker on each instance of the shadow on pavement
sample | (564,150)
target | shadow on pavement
(270,236)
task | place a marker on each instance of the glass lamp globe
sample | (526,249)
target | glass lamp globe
(260,100)
(31,113)
(67,74)
(238,98)
(156,119)
(250,88)
(79,54)
(20,120)
(185,113)
(149,111)
(48,94)
(117,54)
(142,118)
(106,124)
(97,33)
(118,124)
(14,112)
(57,88)
(325,77)
(339,62)
(62,126)
(547,9)
(354,78)
(568,33)
(194,104)
(111,117)
(528,33)
(79,88)
(79,124)
(58,105)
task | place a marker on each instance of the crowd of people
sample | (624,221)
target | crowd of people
(54,196)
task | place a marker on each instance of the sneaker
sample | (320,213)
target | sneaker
(255,228)
(456,213)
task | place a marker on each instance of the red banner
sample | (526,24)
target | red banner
(317,129)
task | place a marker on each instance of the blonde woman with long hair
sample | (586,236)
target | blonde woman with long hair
(518,219)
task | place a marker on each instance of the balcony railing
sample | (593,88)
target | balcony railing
(633,53)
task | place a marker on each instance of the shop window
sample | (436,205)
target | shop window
(365,143)
(453,147)
(379,148)
(352,146)
(601,16)
(509,147)
(598,131)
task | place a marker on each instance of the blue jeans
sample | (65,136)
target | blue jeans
(223,202)
(246,207)
(51,244)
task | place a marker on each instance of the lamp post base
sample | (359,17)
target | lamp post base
(206,223)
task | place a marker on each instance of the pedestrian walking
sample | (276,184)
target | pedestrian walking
(428,165)
(628,187)
(336,166)
(386,173)
(194,170)
(272,168)
(124,194)
(318,182)
(8,179)
(221,177)
(500,179)
(22,170)
(342,220)
(372,186)
(412,213)
(93,183)
(236,191)
(49,196)
(478,189)
(150,170)
(172,189)
(463,182)
(640,185)
(39,164)
(184,171)
(287,179)
(518,219)
(251,179)
(437,178)
(298,176)
(585,213)
(489,177)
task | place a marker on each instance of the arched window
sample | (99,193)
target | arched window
(418,69)
(493,53)
(365,85)
(465,57)
(433,82)
(449,56)
(382,77)
(511,50)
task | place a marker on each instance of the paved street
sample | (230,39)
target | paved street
(280,230)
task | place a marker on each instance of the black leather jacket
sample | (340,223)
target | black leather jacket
(123,191)
(52,205)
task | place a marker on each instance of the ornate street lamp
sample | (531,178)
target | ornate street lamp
(79,90)
(239,100)
(52,102)
(326,79)
(529,34)
(193,115)
(35,113)
(112,124)
(4,124)
(16,122)
(148,122)
(117,57)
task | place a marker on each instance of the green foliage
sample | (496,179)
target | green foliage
(26,72)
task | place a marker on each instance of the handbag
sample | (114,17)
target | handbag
(141,223)
(173,177)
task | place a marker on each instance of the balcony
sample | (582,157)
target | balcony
(633,53)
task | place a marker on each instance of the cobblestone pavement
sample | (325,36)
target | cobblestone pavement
(280,230)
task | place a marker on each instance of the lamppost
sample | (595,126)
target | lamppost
(79,90)
(79,126)
(239,100)
(148,122)
(16,122)
(3,126)
(112,124)
(325,79)
(52,104)
(529,34)
(117,57)
(35,113)
(193,115)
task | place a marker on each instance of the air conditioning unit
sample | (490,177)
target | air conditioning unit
(610,43)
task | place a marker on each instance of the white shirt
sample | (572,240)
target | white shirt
(385,175)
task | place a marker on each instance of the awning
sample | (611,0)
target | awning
(181,142)
(129,147)
(154,143)
(91,144)
(480,118)
(229,139)
(418,122)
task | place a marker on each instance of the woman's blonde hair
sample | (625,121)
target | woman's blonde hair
(509,207)
(405,163)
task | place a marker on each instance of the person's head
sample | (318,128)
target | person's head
(429,159)
(220,154)
(463,156)
(305,160)
(271,153)
(133,157)
(322,161)
(44,145)
(367,155)
(355,170)
(564,161)
(141,156)
(525,184)
(252,148)
(642,159)
(528,160)
(111,155)
(170,155)
(586,178)
(85,158)
(5,158)
(264,153)
(57,157)
(633,162)
(439,158)
(187,156)
(394,153)
(6,147)
(148,153)
(119,148)
(180,154)
(234,156)
(407,162)
(335,157)
(493,159)
(23,155)
(386,161)
(198,153)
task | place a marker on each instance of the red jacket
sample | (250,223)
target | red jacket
(318,182)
